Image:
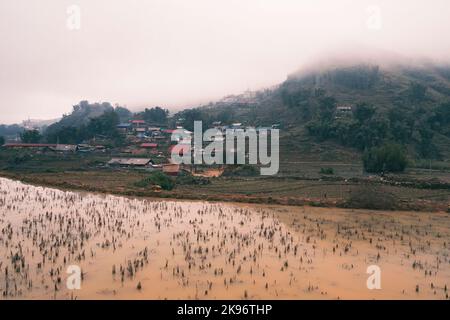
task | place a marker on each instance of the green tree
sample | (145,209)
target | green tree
(363,112)
(225,116)
(123,113)
(156,178)
(154,115)
(389,157)
(68,135)
(322,125)
(327,108)
(371,133)
(30,136)
(423,137)
(104,125)
(2,141)
(10,130)
(417,92)
(440,120)
(190,116)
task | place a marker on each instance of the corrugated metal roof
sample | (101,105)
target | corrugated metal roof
(149,145)
(28,145)
(130,161)
(66,147)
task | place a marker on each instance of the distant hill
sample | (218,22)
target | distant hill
(351,84)
(81,114)
(376,84)
(86,121)
(38,124)
(10,132)
(410,103)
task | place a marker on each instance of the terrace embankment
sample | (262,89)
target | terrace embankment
(389,193)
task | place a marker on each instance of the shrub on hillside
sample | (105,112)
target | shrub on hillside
(326,171)
(240,171)
(371,197)
(192,180)
(156,178)
(30,136)
(386,158)
(19,158)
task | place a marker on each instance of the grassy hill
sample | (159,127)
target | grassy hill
(81,114)
(86,121)
(410,105)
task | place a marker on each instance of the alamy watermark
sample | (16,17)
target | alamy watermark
(374,20)
(374,280)
(73,21)
(229,146)
(73,281)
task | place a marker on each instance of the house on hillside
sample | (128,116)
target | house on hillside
(154,129)
(137,123)
(343,111)
(180,121)
(65,148)
(141,132)
(276,126)
(124,127)
(29,145)
(130,162)
(84,147)
(138,126)
(148,145)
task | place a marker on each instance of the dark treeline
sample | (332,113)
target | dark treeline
(104,125)
(156,115)
(31,136)
(410,123)
(384,131)
(97,120)
(10,130)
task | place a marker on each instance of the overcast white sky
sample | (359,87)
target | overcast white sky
(176,53)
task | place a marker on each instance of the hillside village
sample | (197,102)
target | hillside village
(340,144)
(145,147)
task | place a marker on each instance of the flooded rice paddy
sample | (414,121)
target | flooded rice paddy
(150,249)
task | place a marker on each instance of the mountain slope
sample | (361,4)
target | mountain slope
(409,102)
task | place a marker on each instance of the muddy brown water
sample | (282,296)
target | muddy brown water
(151,249)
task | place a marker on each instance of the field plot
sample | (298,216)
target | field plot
(141,249)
